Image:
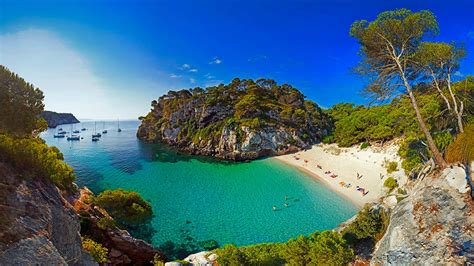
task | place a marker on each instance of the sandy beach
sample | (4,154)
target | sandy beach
(345,165)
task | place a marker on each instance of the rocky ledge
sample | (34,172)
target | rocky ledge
(243,120)
(54,119)
(37,225)
(433,225)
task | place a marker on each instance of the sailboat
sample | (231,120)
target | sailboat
(118,126)
(73,137)
(76,131)
(96,136)
(59,135)
(105,130)
(83,128)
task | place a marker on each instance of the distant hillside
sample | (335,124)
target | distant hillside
(242,120)
(54,119)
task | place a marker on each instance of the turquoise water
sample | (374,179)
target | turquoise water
(196,198)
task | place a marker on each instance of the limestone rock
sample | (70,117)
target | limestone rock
(38,226)
(432,226)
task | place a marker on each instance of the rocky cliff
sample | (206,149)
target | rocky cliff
(37,225)
(54,119)
(243,120)
(434,225)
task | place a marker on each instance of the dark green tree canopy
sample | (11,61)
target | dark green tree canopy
(21,103)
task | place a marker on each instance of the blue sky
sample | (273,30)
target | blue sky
(109,59)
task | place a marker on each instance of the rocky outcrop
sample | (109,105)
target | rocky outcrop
(37,225)
(54,119)
(240,121)
(123,248)
(434,225)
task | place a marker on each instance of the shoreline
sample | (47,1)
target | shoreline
(347,164)
(319,179)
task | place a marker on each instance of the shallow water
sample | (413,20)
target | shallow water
(195,198)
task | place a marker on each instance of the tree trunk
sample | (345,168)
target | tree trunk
(437,155)
(436,82)
(456,110)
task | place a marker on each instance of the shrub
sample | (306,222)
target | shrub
(369,223)
(97,251)
(105,223)
(390,183)
(296,251)
(329,248)
(364,145)
(392,167)
(126,207)
(328,139)
(33,158)
(230,255)
(462,149)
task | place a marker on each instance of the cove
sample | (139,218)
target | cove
(198,199)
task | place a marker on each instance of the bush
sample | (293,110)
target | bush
(369,223)
(462,149)
(392,167)
(326,248)
(97,251)
(364,145)
(328,139)
(230,255)
(390,183)
(329,248)
(126,207)
(34,159)
(106,223)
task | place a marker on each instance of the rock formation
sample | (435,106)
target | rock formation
(434,225)
(239,121)
(123,248)
(37,225)
(54,119)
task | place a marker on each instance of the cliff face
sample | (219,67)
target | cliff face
(54,119)
(433,226)
(37,225)
(239,121)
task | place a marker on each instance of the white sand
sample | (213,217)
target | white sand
(369,163)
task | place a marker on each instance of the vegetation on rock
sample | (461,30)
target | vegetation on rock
(245,119)
(127,207)
(97,251)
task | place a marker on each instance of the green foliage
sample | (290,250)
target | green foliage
(34,159)
(369,223)
(231,255)
(329,248)
(356,124)
(392,167)
(296,251)
(326,248)
(390,183)
(21,104)
(413,152)
(364,145)
(97,251)
(442,139)
(126,207)
(106,223)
